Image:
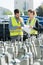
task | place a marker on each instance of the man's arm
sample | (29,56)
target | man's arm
(12,27)
(22,22)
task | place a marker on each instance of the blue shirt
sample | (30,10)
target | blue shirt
(15,27)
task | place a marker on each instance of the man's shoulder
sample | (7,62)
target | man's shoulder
(12,17)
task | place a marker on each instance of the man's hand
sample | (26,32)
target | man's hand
(20,19)
(19,27)
(30,27)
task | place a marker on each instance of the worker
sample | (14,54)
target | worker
(32,22)
(15,26)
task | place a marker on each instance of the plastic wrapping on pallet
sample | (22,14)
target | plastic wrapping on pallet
(24,60)
(4,31)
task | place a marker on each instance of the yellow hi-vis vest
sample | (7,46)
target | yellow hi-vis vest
(17,31)
(32,23)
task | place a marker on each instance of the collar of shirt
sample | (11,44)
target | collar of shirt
(16,20)
(31,20)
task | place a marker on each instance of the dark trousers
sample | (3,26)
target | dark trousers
(17,38)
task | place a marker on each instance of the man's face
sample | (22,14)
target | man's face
(30,15)
(17,15)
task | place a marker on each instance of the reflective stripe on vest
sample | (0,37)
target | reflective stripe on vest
(32,23)
(17,31)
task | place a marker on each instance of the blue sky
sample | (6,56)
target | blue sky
(7,4)
(37,3)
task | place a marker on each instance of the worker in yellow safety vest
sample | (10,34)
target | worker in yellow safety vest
(15,26)
(32,22)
